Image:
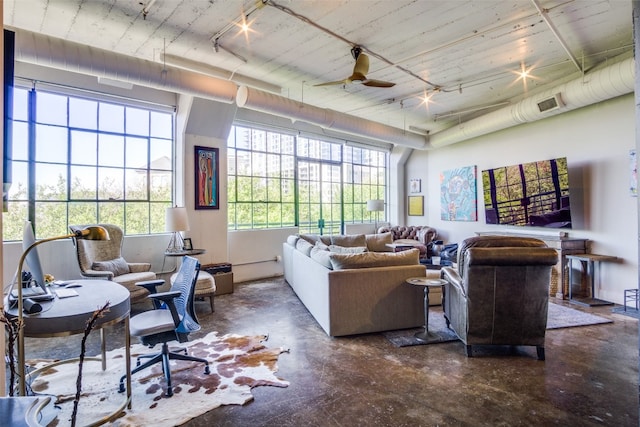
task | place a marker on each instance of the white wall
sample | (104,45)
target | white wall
(596,141)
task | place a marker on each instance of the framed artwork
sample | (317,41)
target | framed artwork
(458,197)
(188,245)
(416,205)
(414,185)
(207,180)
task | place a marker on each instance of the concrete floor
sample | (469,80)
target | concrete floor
(589,378)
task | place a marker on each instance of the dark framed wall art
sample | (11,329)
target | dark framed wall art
(207,179)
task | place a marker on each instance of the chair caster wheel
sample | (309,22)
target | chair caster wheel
(206,370)
(121,389)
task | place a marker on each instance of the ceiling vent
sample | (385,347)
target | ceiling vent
(550,104)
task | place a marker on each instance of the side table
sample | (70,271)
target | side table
(190,252)
(427,283)
(591,261)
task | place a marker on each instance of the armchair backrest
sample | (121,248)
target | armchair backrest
(90,251)
(185,283)
(493,242)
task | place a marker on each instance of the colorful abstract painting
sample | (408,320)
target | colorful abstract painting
(458,197)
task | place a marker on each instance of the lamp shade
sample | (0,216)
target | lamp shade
(375,205)
(176,219)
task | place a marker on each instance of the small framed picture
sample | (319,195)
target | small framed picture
(188,246)
(416,205)
(414,185)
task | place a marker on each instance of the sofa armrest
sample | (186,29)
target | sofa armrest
(426,235)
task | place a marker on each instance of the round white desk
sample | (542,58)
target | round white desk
(68,316)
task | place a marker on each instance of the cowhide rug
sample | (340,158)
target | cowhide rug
(237,363)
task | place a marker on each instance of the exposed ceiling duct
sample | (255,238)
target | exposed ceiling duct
(258,100)
(607,83)
(56,53)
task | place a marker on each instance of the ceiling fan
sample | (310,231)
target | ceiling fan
(360,71)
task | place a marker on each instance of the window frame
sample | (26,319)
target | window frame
(138,208)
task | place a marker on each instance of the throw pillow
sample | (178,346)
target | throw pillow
(348,240)
(304,246)
(322,257)
(347,250)
(117,266)
(322,246)
(378,242)
(374,259)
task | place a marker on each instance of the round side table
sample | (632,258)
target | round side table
(426,283)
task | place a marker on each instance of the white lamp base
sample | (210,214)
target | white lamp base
(176,244)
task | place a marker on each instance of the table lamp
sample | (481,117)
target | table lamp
(376,206)
(176,220)
(87,233)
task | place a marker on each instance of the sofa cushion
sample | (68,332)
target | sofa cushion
(347,250)
(378,242)
(348,240)
(321,256)
(303,246)
(117,266)
(373,259)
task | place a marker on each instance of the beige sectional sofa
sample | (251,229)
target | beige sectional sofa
(352,284)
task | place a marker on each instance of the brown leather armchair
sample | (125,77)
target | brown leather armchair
(498,293)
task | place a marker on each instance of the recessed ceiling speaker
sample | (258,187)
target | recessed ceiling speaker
(550,104)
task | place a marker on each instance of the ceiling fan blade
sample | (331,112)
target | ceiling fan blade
(377,83)
(339,82)
(362,65)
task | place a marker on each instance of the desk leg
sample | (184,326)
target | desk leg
(103,349)
(127,344)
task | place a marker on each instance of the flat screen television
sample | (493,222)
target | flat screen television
(532,194)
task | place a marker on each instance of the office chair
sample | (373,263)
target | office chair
(172,319)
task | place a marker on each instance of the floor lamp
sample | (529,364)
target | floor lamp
(376,206)
(87,233)
(176,220)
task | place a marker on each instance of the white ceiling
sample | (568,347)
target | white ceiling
(465,53)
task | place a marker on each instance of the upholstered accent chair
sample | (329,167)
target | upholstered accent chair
(102,259)
(498,293)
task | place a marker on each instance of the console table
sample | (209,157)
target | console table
(564,245)
(592,261)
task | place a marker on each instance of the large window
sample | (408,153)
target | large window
(281,180)
(81,161)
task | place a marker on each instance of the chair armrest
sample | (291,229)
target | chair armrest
(98,274)
(151,285)
(139,267)
(454,281)
(165,296)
